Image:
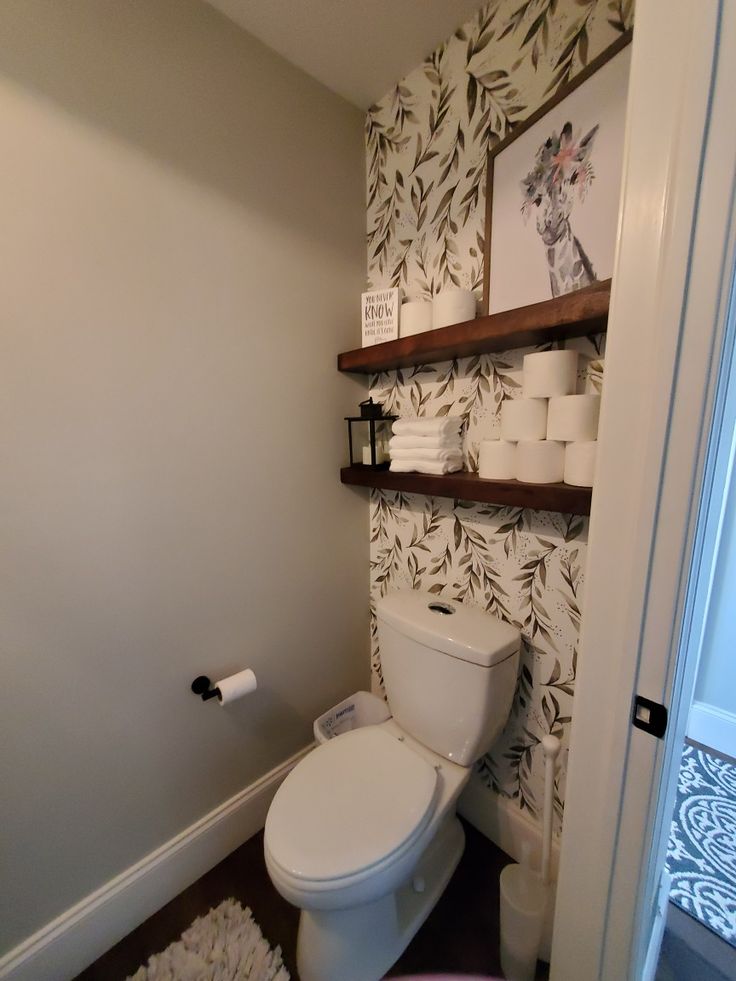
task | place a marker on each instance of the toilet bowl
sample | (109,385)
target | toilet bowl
(348,842)
(349,825)
(362,835)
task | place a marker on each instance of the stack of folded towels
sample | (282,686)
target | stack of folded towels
(426,445)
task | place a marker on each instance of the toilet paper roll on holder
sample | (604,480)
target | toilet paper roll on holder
(226,690)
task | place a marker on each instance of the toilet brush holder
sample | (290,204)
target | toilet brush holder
(523,906)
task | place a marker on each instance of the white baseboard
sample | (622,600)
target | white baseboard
(501,820)
(71,942)
(712,727)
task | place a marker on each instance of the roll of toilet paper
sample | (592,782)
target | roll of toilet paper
(497,459)
(573,418)
(416,317)
(453,307)
(523,419)
(235,686)
(540,461)
(550,373)
(580,463)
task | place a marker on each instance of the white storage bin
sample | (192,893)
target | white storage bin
(360,709)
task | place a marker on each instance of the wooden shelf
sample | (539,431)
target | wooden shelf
(573,315)
(465,486)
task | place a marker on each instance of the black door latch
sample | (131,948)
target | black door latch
(650,716)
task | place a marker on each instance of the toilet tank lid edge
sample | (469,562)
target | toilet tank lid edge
(449,626)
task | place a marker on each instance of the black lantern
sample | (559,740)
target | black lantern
(370,441)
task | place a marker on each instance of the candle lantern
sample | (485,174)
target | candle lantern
(368,443)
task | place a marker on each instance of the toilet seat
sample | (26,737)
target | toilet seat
(348,807)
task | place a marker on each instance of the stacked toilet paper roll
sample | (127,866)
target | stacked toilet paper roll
(550,373)
(523,419)
(497,459)
(553,429)
(573,418)
(415,317)
(540,462)
(580,463)
(453,307)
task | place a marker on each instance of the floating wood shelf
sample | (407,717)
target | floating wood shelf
(573,315)
(465,486)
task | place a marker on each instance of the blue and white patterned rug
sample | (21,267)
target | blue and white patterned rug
(701,854)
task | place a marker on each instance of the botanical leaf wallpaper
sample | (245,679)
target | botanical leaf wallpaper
(427,139)
(426,146)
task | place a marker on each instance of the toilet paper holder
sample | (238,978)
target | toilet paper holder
(203,686)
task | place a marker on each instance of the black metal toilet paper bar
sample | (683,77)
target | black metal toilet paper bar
(203,686)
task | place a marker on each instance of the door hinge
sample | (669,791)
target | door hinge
(650,716)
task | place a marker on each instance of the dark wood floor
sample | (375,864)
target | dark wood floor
(460,935)
(692,952)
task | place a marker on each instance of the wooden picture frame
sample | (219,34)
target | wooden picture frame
(488,304)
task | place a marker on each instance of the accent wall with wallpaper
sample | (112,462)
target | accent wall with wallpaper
(426,145)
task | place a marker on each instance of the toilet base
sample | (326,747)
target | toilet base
(361,943)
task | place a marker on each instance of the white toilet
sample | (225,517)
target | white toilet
(362,835)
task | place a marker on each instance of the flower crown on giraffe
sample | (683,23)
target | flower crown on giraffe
(560,159)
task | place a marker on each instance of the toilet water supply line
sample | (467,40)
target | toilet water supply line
(551,748)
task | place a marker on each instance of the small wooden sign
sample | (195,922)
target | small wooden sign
(380,316)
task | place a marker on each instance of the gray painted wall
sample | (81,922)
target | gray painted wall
(180,260)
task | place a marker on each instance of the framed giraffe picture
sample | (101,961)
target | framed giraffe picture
(553,188)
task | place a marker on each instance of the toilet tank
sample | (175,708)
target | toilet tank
(449,671)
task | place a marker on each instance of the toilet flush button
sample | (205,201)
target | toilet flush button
(418,884)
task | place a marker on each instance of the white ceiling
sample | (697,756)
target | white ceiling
(357,48)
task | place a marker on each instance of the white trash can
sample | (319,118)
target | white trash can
(361,709)
(523,907)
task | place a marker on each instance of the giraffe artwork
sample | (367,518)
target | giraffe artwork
(561,175)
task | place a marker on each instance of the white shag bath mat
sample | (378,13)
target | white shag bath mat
(225,945)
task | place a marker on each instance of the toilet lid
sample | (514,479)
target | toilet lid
(349,804)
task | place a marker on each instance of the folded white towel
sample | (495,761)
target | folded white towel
(446,426)
(438,456)
(424,443)
(426,466)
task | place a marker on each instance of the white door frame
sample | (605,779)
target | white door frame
(667,313)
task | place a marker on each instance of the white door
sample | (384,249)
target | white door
(650,538)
